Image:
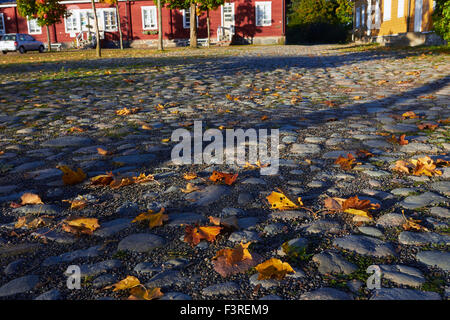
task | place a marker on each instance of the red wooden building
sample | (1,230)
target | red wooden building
(242,21)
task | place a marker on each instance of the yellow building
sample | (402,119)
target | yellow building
(403,22)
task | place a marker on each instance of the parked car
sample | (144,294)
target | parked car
(20,42)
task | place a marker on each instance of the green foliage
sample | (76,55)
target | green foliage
(319,21)
(441,19)
(46,12)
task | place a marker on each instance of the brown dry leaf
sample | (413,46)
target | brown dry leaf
(236,255)
(401,140)
(346,163)
(71,177)
(31,222)
(103,179)
(425,166)
(401,166)
(81,225)
(76,129)
(125,284)
(412,224)
(364,154)
(227,178)
(142,178)
(273,269)
(154,219)
(278,201)
(121,182)
(264,118)
(190,188)
(141,293)
(146,127)
(125,111)
(427,126)
(78,203)
(230,223)
(30,198)
(410,115)
(190,176)
(230,261)
(103,152)
(193,235)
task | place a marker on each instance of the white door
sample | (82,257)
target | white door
(418,16)
(228,14)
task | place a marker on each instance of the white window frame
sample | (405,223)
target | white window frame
(187,22)
(387,6)
(266,21)
(227,4)
(2,24)
(75,14)
(357,17)
(377,15)
(401,8)
(36,30)
(363,15)
(104,12)
(151,11)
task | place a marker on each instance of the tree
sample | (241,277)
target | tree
(46,12)
(206,6)
(98,49)
(160,31)
(119,25)
(441,19)
(190,5)
(319,20)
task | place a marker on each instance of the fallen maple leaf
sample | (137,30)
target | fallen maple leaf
(235,260)
(103,179)
(273,269)
(193,235)
(71,177)
(154,219)
(78,203)
(401,166)
(401,140)
(352,205)
(346,163)
(31,222)
(139,292)
(227,178)
(30,198)
(103,152)
(425,166)
(278,201)
(81,225)
(410,115)
(190,176)
(412,224)
(427,125)
(127,283)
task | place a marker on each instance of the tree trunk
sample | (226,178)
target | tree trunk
(193,22)
(119,25)
(208,27)
(97,32)
(160,31)
(49,41)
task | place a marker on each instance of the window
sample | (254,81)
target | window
(33,27)
(401,8)
(357,17)
(263,13)
(186,18)
(109,19)
(377,15)
(29,38)
(2,24)
(73,22)
(363,15)
(149,18)
(387,10)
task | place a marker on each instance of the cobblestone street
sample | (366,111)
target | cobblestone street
(388,109)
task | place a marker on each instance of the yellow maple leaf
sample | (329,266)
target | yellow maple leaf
(127,283)
(278,201)
(358,212)
(273,269)
(154,219)
(71,177)
(30,198)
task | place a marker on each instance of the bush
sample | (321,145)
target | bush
(318,33)
(441,19)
